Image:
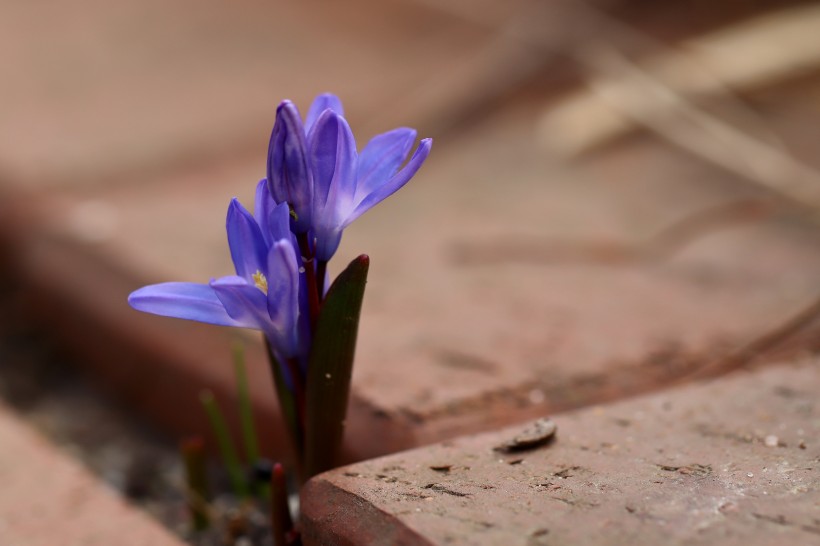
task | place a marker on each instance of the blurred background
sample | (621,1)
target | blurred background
(622,195)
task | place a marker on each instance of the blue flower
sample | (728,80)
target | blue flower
(327,183)
(289,174)
(264,294)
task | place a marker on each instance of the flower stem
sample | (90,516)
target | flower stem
(281,520)
(321,273)
(298,388)
(310,273)
(193,455)
(289,407)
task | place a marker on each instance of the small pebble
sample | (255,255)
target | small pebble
(771,440)
(750,475)
(536,396)
(728,507)
(537,434)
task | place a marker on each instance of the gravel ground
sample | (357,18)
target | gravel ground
(39,382)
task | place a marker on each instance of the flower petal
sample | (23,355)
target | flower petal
(279,222)
(327,242)
(289,174)
(333,151)
(263,208)
(245,239)
(183,300)
(381,158)
(244,302)
(283,282)
(325,101)
(283,296)
(394,184)
(343,187)
(322,155)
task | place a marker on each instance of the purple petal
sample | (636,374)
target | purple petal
(325,101)
(343,188)
(263,208)
(327,242)
(333,151)
(322,154)
(244,302)
(289,175)
(283,295)
(183,300)
(279,222)
(283,282)
(381,158)
(394,184)
(248,248)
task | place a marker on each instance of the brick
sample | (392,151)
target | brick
(732,461)
(101,92)
(474,316)
(110,93)
(47,498)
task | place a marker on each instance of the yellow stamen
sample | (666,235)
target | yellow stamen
(260,281)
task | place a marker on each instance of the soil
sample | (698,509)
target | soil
(39,382)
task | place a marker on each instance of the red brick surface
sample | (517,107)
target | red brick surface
(506,282)
(475,315)
(49,499)
(728,462)
(98,91)
(503,282)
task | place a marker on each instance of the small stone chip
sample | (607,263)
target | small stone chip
(441,467)
(771,440)
(535,435)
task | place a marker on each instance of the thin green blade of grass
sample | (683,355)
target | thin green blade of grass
(247,423)
(226,445)
(245,408)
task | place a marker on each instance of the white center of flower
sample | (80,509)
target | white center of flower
(260,281)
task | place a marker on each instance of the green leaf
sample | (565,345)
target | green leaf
(330,367)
